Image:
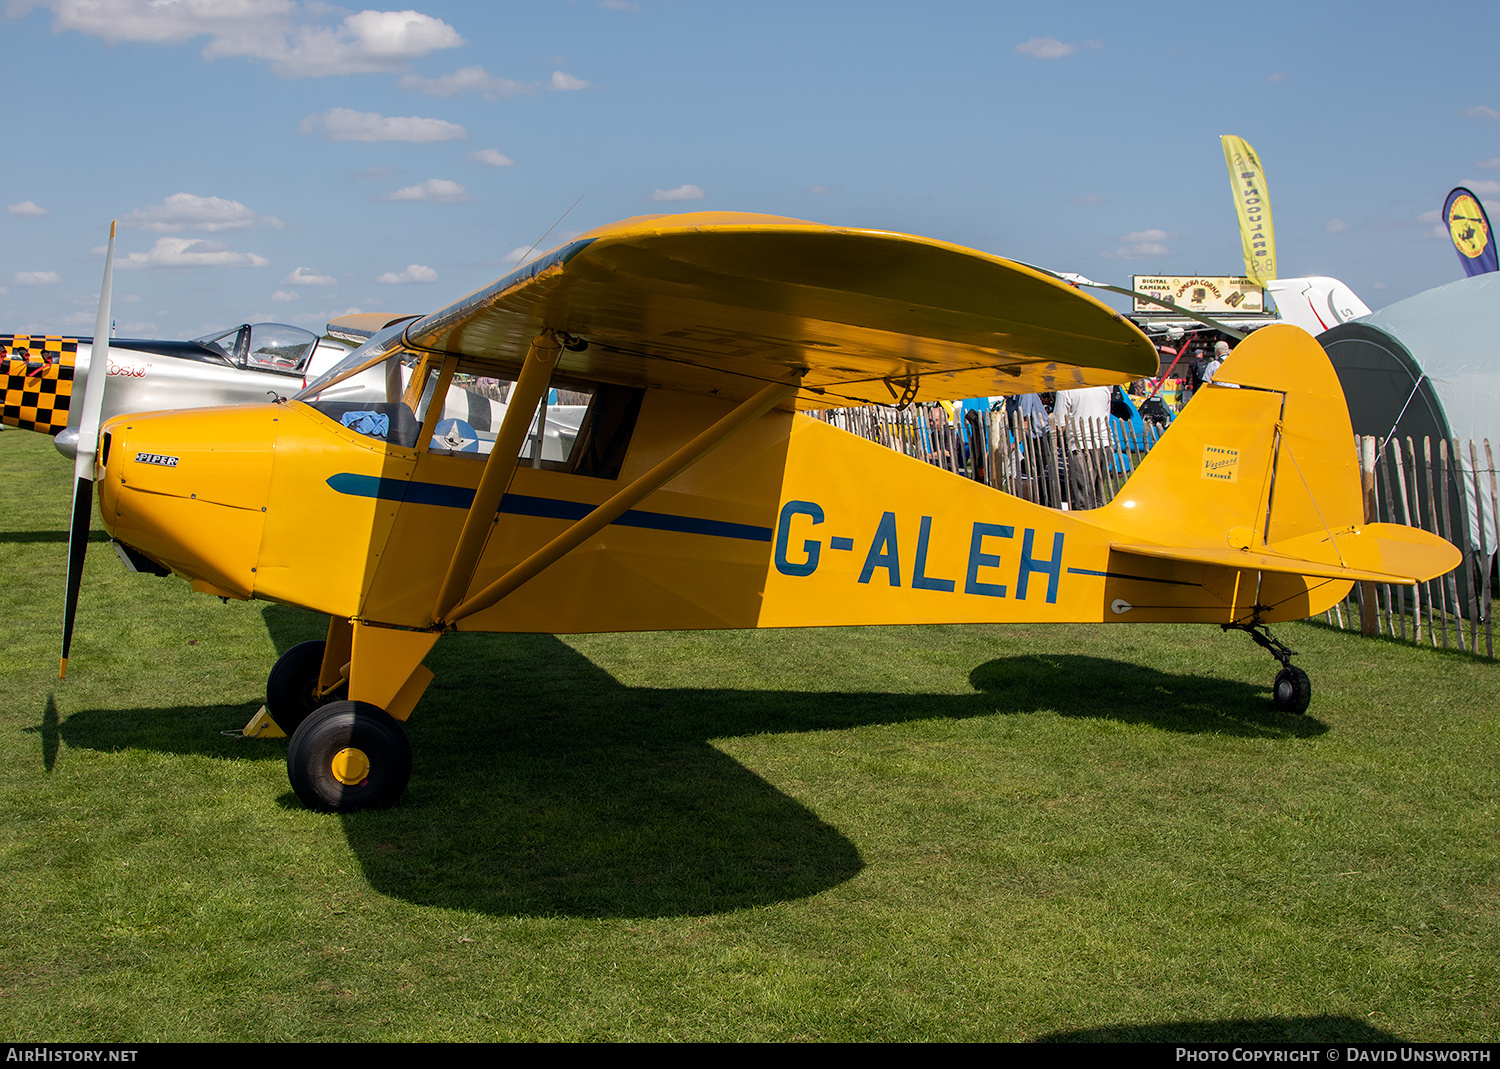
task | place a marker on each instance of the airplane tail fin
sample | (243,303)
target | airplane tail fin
(38,372)
(1260,473)
(1315,303)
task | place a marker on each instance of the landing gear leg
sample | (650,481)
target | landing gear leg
(350,755)
(1292,690)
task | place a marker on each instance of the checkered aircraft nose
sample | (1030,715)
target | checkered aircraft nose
(38,381)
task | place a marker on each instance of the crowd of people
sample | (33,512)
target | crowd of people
(1068,449)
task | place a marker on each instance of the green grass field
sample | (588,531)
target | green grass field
(944,833)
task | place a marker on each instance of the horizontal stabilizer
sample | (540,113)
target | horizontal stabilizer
(1374,552)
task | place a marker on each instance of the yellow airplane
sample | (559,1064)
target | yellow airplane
(696,493)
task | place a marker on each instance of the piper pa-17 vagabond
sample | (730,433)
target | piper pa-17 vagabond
(696,493)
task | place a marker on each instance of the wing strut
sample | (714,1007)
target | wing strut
(530,388)
(626,498)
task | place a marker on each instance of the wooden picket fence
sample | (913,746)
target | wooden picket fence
(1022,457)
(1429,488)
(1404,482)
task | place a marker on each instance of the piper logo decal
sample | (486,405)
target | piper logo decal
(1220,464)
(156,458)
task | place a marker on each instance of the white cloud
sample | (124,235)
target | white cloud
(191,252)
(413,273)
(1052,48)
(314,319)
(680,193)
(567,81)
(1139,245)
(1483,186)
(1277,77)
(1430,217)
(344,124)
(296,39)
(1045,48)
(619,5)
(36,278)
(492,157)
(436,190)
(284,296)
(1489,164)
(467,80)
(185,211)
(123,328)
(1336,226)
(27,209)
(822,190)
(1480,112)
(304,276)
(516,255)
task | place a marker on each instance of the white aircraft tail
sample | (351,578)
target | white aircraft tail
(1315,303)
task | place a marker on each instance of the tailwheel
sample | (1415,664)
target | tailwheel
(292,686)
(348,756)
(1292,690)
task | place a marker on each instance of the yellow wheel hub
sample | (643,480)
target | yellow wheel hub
(350,766)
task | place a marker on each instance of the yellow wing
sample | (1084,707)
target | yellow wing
(721,303)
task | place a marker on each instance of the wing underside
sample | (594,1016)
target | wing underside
(723,304)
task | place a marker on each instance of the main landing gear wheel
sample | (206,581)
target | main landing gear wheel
(1292,690)
(348,756)
(292,686)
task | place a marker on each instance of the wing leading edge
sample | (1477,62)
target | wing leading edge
(721,304)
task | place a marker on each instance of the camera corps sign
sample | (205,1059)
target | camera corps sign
(1223,295)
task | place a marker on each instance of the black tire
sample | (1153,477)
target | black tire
(1292,690)
(292,685)
(344,728)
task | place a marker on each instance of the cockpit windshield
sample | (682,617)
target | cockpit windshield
(263,346)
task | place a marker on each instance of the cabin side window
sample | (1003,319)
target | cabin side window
(386,392)
(578,428)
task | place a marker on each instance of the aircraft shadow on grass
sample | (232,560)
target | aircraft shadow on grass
(25,537)
(544,786)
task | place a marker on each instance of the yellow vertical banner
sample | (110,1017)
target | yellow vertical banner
(1253,205)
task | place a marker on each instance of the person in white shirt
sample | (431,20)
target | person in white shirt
(1084,418)
(1221,350)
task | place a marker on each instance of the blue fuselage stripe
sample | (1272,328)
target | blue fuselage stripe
(459,497)
(1123,575)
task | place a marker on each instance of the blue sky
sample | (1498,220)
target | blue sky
(291,161)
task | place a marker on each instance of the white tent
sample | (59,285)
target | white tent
(1429,366)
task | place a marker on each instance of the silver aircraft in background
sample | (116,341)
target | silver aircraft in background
(44,374)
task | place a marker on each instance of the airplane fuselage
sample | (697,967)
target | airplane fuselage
(790,523)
